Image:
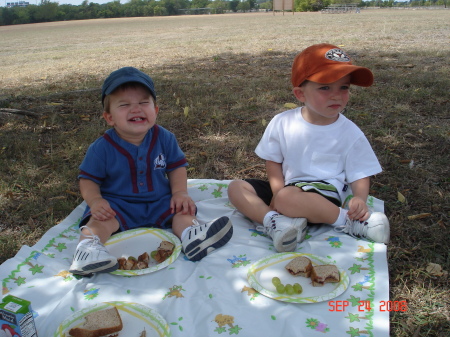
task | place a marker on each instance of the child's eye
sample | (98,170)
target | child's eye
(324,88)
(123,105)
(144,103)
(345,87)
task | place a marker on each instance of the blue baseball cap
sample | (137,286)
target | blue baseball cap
(126,75)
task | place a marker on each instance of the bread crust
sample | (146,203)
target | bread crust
(322,274)
(88,329)
(299,266)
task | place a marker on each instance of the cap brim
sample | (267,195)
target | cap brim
(122,80)
(359,75)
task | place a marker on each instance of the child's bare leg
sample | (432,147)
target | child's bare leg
(180,222)
(295,203)
(243,196)
(284,232)
(198,240)
(103,229)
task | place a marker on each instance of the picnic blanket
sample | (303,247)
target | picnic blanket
(211,297)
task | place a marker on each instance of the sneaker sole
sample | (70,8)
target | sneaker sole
(217,236)
(288,241)
(301,225)
(97,267)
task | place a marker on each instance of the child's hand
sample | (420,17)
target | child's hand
(101,210)
(182,202)
(358,209)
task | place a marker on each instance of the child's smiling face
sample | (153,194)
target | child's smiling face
(132,112)
(323,102)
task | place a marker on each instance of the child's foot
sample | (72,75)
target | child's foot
(376,228)
(283,233)
(92,257)
(300,225)
(203,239)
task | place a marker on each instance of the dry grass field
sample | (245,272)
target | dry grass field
(218,78)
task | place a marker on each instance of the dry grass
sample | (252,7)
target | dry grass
(232,71)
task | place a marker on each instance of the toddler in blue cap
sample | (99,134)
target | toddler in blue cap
(135,176)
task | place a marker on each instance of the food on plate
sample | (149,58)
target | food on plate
(322,274)
(106,322)
(276,281)
(131,263)
(288,288)
(280,288)
(164,251)
(298,288)
(299,266)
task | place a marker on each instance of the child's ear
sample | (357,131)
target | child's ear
(299,94)
(108,118)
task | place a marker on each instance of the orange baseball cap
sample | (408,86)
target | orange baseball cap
(325,63)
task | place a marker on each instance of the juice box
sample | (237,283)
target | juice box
(16,318)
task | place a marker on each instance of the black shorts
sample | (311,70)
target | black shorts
(262,188)
(264,192)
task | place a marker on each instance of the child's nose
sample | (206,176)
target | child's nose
(336,94)
(135,107)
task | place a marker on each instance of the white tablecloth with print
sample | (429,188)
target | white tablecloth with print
(191,296)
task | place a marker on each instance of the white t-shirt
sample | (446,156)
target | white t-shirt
(338,153)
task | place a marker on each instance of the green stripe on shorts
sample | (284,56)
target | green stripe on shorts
(326,190)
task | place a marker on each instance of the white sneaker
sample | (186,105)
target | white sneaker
(283,233)
(203,239)
(376,228)
(92,257)
(300,225)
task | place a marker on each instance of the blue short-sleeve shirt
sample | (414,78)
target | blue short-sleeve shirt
(128,174)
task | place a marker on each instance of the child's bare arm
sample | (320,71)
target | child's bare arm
(358,209)
(100,208)
(181,201)
(276,178)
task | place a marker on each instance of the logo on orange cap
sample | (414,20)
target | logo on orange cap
(338,55)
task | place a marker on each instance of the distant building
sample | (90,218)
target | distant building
(17,4)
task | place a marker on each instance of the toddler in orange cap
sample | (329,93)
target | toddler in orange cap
(313,155)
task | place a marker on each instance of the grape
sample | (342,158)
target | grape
(280,289)
(298,288)
(153,253)
(276,281)
(289,289)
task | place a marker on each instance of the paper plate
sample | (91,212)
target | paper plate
(135,318)
(260,276)
(137,241)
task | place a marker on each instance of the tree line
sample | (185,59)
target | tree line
(48,11)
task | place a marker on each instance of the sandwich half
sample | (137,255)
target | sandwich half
(100,323)
(322,274)
(300,266)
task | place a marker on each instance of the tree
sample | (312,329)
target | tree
(243,6)
(47,11)
(199,3)
(233,5)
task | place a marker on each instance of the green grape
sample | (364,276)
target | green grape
(153,253)
(289,289)
(298,288)
(280,289)
(276,281)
